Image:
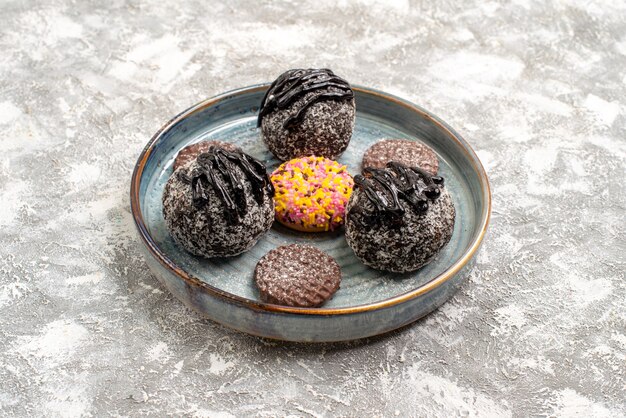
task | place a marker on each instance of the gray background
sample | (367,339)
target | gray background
(540,329)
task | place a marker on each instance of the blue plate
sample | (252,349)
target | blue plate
(369,302)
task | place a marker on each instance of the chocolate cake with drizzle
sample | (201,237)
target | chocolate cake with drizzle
(399,217)
(307,112)
(220,204)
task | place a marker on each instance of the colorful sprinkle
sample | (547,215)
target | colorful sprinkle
(311,193)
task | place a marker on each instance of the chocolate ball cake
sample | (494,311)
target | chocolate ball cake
(220,204)
(307,112)
(398,218)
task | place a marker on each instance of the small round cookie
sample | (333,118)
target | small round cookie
(404,151)
(311,193)
(190,152)
(297,275)
(307,112)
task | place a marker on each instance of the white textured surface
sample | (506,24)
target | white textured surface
(537,88)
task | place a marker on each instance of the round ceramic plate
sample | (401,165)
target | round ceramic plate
(369,302)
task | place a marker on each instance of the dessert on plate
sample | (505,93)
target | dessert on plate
(297,275)
(398,218)
(220,201)
(311,193)
(220,204)
(191,152)
(307,112)
(404,151)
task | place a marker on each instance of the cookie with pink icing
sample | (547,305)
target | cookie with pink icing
(311,193)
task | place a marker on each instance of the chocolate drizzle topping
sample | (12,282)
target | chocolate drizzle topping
(293,84)
(216,169)
(384,188)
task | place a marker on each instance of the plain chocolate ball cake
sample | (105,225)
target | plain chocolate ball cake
(307,112)
(398,217)
(220,204)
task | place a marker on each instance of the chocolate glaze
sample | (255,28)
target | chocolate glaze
(293,84)
(384,188)
(216,169)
